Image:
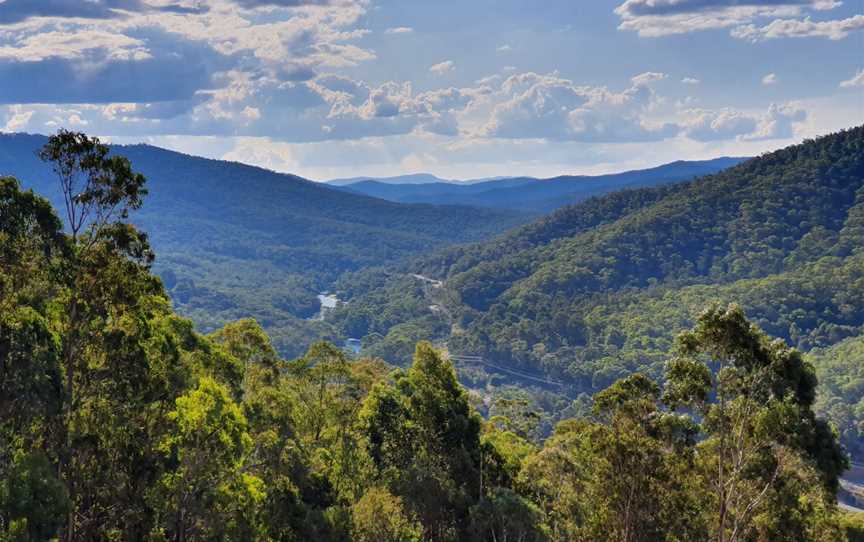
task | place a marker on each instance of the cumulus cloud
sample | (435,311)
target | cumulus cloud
(776,123)
(17,119)
(58,44)
(399,30)
(442,67)
(647,78)
(654,18)
(134,112)
(690,81)
(770,79)
(675,7)
(791,28)
(99,51)
(857,80)
(550,107)
(107,68)
(13,11)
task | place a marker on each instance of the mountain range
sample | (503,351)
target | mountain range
(598,290)
(412,179)
(527,194)
(234,240)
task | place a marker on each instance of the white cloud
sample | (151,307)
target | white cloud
(504,48)
(647,78)
(690,81)
(17,119)
(74,45)
(284,39)
(791,28)
(263,152)
(251,113)
(770,79)
(530,105)
(725,124)
(399,30)
(654,18)
(442,67)
(778,122)
(856,80)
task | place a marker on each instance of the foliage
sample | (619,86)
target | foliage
(237,241)
(118,421)
(598,290)
(380,516)
(841,395)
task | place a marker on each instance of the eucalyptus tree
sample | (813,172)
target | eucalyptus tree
(769,466)
(101,324)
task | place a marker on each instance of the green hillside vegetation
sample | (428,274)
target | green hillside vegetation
(238,241)
(841,389)
(119,422)
(600,289)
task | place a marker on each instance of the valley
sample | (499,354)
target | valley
(413,271)
(745,285)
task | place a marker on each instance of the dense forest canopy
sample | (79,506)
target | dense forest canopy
(237,241)
(595,291)
(119,422)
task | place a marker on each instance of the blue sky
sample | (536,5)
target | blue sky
(462,89)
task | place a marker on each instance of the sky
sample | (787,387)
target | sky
(458,88)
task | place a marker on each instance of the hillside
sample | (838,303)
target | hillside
(841,389)
(412,179)
(235,241)
(118,421)
(599,289)
(536,195)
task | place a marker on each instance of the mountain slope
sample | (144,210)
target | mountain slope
(412,179)
(234,240)
(599,289)
(840,369)
(429,192)
(537,195)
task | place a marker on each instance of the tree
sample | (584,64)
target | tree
(207,493)
(98,189)
(425,441)
(33,502)
(505,516)
(764,449)
(639,450)
(379,516)
(556,478)
(105,283)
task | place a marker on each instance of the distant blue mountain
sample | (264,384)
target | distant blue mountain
(413,179)
(528,193)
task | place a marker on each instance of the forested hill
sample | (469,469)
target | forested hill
(119,422)
(235,241)
(537,195)
(598,290)
(256,198)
